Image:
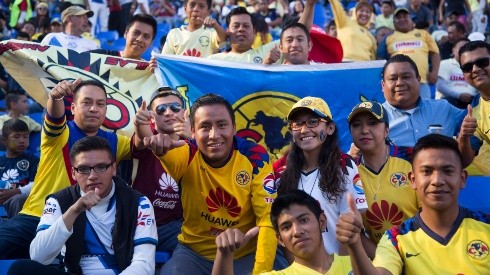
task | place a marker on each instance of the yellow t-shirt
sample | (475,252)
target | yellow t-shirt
(341,265)
(54,170)
(258,40)
(31,123)
(382,21)
(237,195)
(412,248)
(417,44)
(202,42)
(395,201)
(357,41)
(250,56)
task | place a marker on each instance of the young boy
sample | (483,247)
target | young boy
(443,238)
(299,222)
(201,37)
(17,107)
(17,169)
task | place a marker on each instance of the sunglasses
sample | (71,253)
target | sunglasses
(310,123)
(480,63)
(174,107)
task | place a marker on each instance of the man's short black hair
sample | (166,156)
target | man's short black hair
(296,25)
(459,26)
(25,35)
(473,45)
(400,58)
(146,19)
(211,99)
(294,196)
(437,141)
(13,97)
(238,11)
(91,82)
(208,2)
(90,143)
(14,125)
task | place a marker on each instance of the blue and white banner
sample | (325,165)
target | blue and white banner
(261,95)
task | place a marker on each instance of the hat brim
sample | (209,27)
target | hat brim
(295,110)
(361,110)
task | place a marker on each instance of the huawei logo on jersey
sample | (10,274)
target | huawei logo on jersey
(377,215)
(192,52)
(220,198)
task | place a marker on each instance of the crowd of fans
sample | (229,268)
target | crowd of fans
(204,190)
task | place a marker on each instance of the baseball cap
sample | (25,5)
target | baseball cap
(56,20)
(476,36)
(372,107)
(401,10)
(164,91)
(315,104)
(75,10)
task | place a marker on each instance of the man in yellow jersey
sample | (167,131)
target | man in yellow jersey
(225,182)
(89,109)
(299,222)
(241,32)
(474,59)
(415,43)
(443,238)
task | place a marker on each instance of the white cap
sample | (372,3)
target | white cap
(476,36)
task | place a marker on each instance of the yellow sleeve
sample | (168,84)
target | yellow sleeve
(339,15)
(168,47)
(387,256)
(175,161)
(263,193)
(266,250)
(431,43)
(123,148)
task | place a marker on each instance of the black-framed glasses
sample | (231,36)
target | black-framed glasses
(174,107)
(99,168)
(480,63)
(310,123)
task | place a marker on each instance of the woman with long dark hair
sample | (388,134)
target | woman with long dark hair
(316,164)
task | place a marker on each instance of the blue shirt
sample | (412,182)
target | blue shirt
(407,128)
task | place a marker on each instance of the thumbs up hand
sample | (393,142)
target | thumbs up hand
(233,239)
(469,125)
(349,224)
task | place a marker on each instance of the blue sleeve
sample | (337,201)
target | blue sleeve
(382,51)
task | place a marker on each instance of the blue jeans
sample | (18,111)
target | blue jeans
(16,235)
(185,261)
(167,235)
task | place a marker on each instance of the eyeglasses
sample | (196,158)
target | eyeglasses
(99,168)
(174,107)
(310,123)
(480,63)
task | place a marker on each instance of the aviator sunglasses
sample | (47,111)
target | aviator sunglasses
(174,107)
(480,63)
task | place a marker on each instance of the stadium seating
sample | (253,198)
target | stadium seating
(107,38)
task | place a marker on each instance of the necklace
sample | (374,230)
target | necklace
(379,181)
(314,182)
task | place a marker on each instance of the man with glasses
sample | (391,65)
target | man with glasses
(165,115)
(104,225)
(475,130)
(89,109)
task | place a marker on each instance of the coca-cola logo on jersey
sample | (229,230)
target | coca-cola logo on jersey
(164,204)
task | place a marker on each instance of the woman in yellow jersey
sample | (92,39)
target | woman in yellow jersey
(357,41)
(383,171)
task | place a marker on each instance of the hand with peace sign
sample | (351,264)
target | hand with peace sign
(142,121)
